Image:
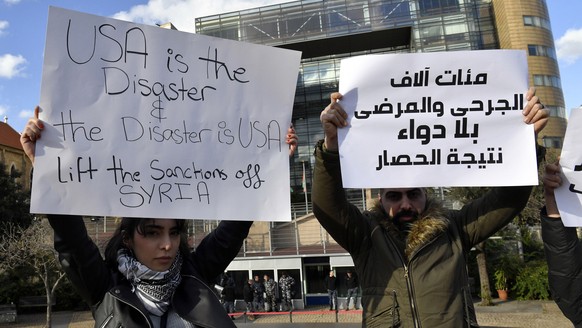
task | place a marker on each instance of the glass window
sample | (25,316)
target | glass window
(327,71)
(547,80)
(551,52)
(388,11)
(557,82)
(230,33)
(431,34)
(538,80)
(433,7)
(545,24)
(552,81)
(254,31)
(299,25)
(536,21)
(14,174)
(310,74)
(336,18)
(456,28)
(358,15)
(552,142)
(556,111)
(315,278)
(538,50)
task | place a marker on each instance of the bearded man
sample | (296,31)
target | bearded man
(410,253)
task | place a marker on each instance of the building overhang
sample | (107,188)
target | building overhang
(391,38)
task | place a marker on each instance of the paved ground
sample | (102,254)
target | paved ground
(531,314)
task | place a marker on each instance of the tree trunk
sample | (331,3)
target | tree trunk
(49,313)
(486,299)
(49,307)
(50,297)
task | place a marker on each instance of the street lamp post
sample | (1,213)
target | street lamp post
(304,186)
(96,220)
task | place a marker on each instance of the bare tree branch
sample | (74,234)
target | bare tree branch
(33,247)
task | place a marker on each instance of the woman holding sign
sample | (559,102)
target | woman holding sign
(563,252)
(148,278)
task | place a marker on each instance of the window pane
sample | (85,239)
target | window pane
(314,278)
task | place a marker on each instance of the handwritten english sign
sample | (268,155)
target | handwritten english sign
(569,194)
(436,119)
(142,121)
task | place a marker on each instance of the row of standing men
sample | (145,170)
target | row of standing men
(265,295)
(259,295)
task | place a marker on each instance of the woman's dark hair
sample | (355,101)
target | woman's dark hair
(126,230)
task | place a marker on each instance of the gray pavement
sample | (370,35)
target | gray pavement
(531,314)
(302,325)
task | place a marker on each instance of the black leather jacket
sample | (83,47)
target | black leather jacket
(563,252)
(109,294)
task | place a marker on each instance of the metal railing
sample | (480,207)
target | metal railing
(302,235)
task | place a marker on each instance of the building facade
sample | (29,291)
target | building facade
(525,24)
(12,155)
(328,31)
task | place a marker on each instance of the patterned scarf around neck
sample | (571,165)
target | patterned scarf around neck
(153,288)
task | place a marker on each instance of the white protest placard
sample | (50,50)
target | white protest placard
(436,119)
(569,194)
(142,121)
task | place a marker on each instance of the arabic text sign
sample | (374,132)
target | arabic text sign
(148,122)
(569,194)
(436,119)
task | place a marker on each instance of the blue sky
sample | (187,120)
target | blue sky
(23,29)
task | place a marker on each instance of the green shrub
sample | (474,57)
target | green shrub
(17,282)
(531,282)
(8,288)
(500,279)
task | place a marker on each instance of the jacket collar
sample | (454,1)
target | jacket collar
(432,222)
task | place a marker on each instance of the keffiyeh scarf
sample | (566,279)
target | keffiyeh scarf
(153,288)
